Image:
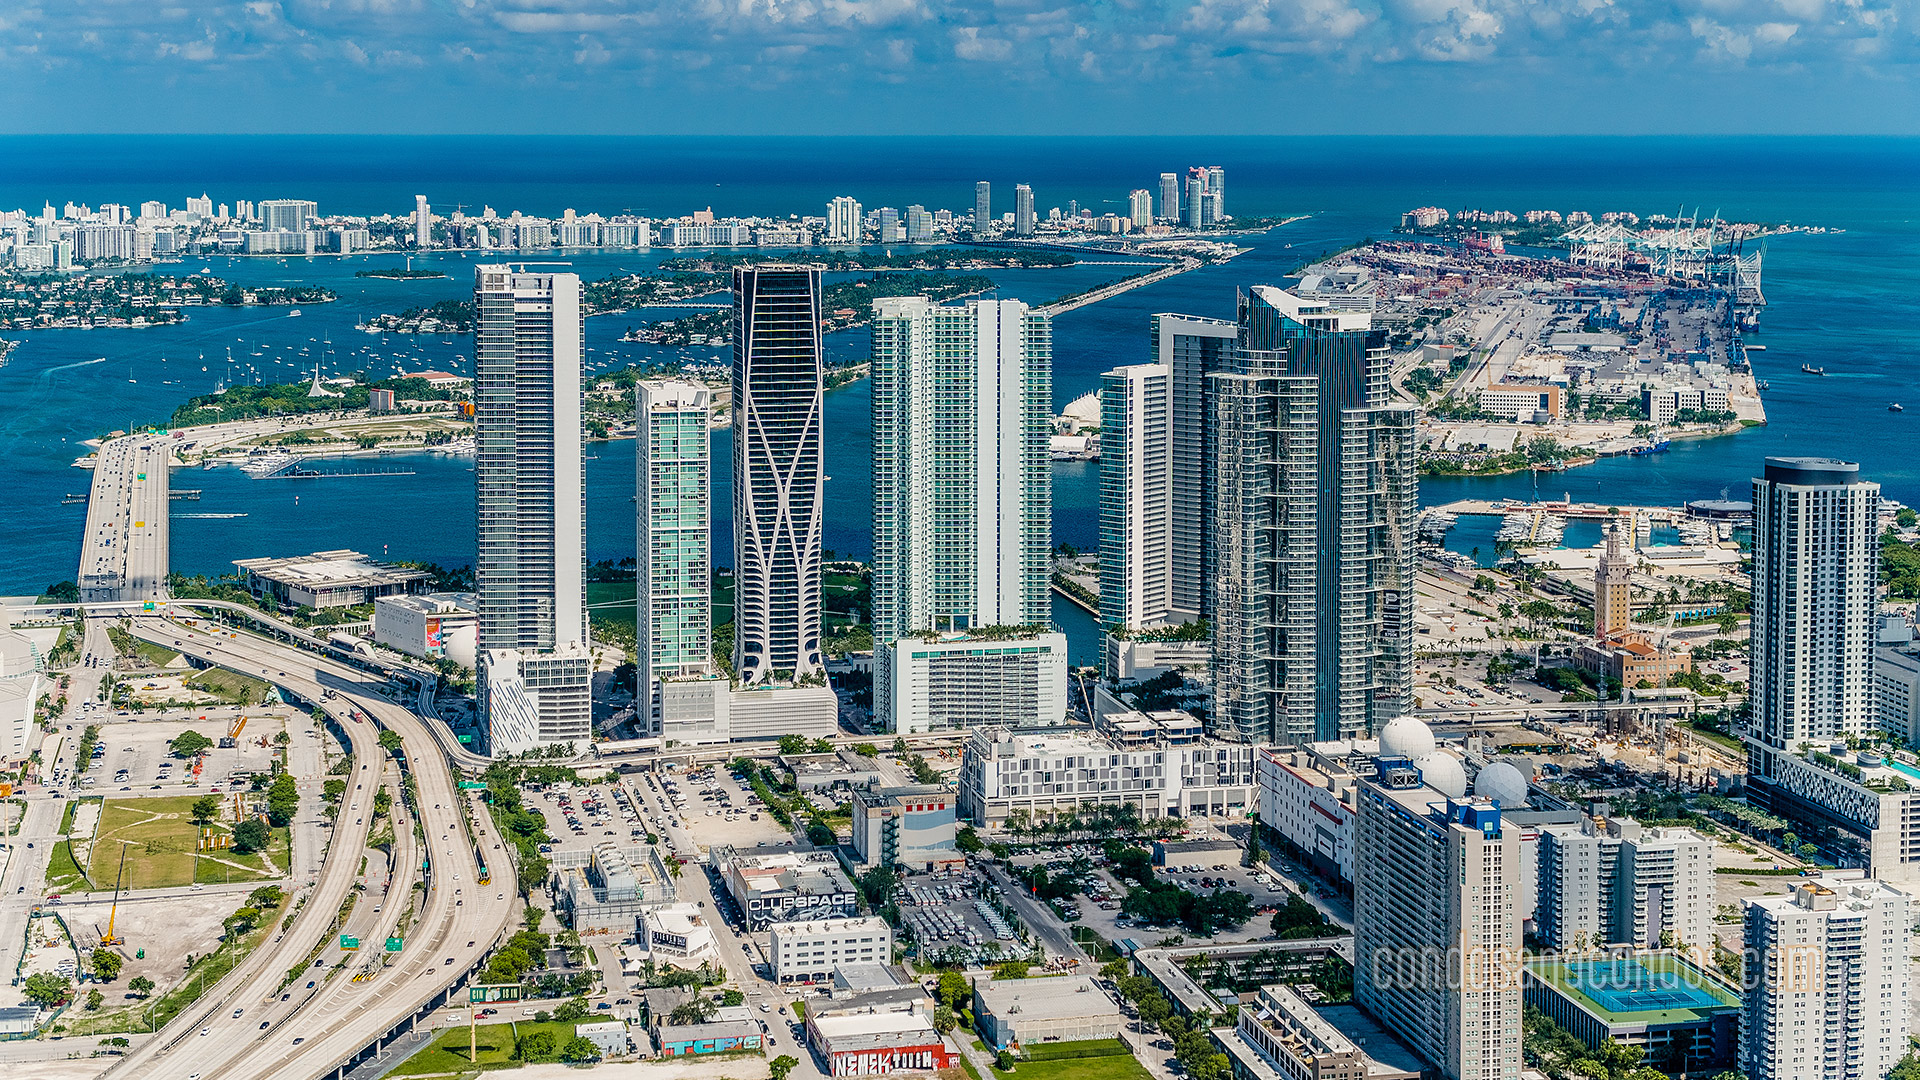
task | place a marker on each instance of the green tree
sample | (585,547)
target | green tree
(390,741)
(46,990)
(569,1011)
(732,998)
(899,744)
(579,1049)
(250,836)
(820,834)
(1003,1061)
(1012,969)
(107,964)
(241,921)
(140,985)
(189,744)
(779,1067)
(283,800)
(205,810)
(94,999)
(793,744)
(265,897)
(537,1045)
(952,990)
(967,841)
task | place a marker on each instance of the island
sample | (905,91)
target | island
(94,301)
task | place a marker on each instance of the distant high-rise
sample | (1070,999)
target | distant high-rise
(962,512)
(1140,207)
(530,501)
(1169,197)
(290,215)
(843,220)
(1313,493)
(1613,881)
(422,222)
(1217,192)
(890,226)
(1612,588)
(1198,211)
(1435,935)
(777,390)
(1828,981)
(982,208)
(919,224)
(1023,219)
(1816,561)
(673,478)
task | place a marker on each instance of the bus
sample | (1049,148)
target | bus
(479,857)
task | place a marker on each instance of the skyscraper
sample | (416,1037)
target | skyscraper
(535,667)
(919,224)
(890,226)
(1140,207)
(1828,980)
(1198,210)
(1612,587)
(777,389)
(1313,492)
(290,215)
(1815,571)
(1169,197)
(962,512)
(843,220)
(982,209)
(1023,219)
(673,479)
(1136,497)
(1217,192)
(422,222)
(1436,940)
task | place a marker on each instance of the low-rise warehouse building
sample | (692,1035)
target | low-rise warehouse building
(1675,1012)
(327,579)
(1281,1037)
(1064,1008)
(688,1040)
(609,1037)
(429,625)
(877,1034)
(913,826)
(785,886)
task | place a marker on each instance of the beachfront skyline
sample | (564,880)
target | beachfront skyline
(895,66)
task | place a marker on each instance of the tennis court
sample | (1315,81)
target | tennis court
(1628,986)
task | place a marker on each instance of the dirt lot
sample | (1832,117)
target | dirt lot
(167,928)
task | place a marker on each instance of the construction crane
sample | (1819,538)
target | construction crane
(109,938)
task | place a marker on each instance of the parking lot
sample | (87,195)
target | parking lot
(948,919)
(133,755)
(713,808)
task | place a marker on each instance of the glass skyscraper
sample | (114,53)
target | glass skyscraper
(673,480)
(530,503)
(777,389)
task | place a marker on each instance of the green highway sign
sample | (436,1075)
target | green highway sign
(466,738)
(349,942)
(472,785)
(482,993)
(393,944)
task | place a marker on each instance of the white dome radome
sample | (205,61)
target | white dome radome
(1503,783)
(1406,737)
(1442,772)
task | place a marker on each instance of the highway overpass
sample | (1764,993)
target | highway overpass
(123,555)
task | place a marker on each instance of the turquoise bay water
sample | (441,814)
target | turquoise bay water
(1849,302)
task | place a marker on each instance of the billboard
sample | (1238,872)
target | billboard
(436,639)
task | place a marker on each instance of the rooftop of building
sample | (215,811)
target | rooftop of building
(813,873)
(436,603)
(331,569)
(1381,1047)
(848,1030)
(1647,988)
(1054,742)
(1046,998)
(718,1029)
(1833,891)
(856,924)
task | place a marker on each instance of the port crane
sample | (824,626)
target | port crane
(110,938)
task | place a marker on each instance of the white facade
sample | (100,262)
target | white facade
(1896,692)
(530,493)
(677,934)
(1436,936)
(1136,496)
(962,486)
(704,709)
(1308,802)
(673,506)
(843,220)
(1616,882)
(1003,771)
(958,681)
(422,222)
(1830,996)
(428,625)
(809,951)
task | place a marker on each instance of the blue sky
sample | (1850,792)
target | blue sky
(974,66)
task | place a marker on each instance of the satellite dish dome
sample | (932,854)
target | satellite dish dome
(1442,772)
(1502,783)
(1406,737)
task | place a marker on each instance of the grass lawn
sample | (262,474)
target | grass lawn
(611,601)
(160,841)
(229,685)
(1111,1067)
(448,1053)
(63,874)
(722,600)
(157,655)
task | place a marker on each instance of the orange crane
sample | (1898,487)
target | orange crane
(233,731)
(109,938)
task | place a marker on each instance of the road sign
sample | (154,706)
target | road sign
(472,785)
(393,944)
(481,993)
(349,942)
(466,738)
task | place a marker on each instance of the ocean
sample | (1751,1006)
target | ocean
(1847,301)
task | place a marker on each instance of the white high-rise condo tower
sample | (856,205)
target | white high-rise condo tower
(422,222)
(962,516)
(777,390)
(530,501)
(1829,978)
(1023,216)
(982,209)
(1169,197)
